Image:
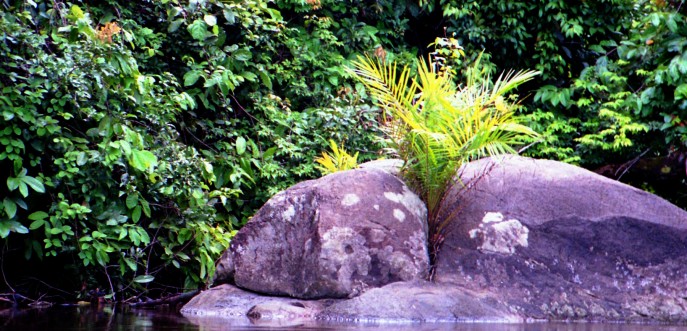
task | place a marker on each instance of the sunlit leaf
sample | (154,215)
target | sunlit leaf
(144,279)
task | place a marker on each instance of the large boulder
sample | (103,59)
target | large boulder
(555,241)
(527,240)
(333,237)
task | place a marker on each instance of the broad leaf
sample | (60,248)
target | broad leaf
(10,207)
(144,279)
(191,77)
(35,184)
(142,160)
(198,30)
(240,145)
(131,201)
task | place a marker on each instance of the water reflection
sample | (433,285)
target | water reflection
(92,318)
(124,318)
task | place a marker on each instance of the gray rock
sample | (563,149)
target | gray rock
(233,306)
(528,240)
(333,237)
(419,301)
(392,166)
(400,302)
(555,241)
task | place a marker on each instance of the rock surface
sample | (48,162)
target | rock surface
(530,240)
(247,308)
(400,302)
(556,241)
(334,237)
(419,301)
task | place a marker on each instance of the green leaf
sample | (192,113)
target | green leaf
(36,224)
(136,214)
(240,145)
(13,226)
(144,279)
(98,235)
(4,229)
(135,237)
(38,216)
(123,233)
(131,264)
(35,184)
(131,201)
(191,77)
(198,30)
(265,78)
(229,15)
(23,189)
(21,203)
(242,55)
(681,92)
(145,239)
(142,160)
(101,257)
(175,25)
(18,228)
(10,207)
(146,208)
(269,152)
(210,20)
(13,183)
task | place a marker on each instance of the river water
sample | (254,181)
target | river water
(125,318)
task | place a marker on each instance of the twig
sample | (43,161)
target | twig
(50,286)
(439,230)
(170,300)
(2,267)
(528,146)
(630,164)
(110,281)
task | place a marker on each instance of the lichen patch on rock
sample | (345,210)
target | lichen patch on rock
(350,199)
(499,236)
(289,213)
(399,215)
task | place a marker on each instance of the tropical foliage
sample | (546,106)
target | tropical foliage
(436,127)
(137,136)
(338,160)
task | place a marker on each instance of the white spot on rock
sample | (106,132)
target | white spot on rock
(492,217)
(289,213)
(350,199)
(399,215)
(499,236)
(395,197)
(411,202)
(376,207)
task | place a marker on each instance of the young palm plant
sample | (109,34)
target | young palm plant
(436,126)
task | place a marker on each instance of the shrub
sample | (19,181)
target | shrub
(436,127)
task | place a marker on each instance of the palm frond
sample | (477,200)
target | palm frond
(437,127)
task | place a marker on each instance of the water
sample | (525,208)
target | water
(124,318)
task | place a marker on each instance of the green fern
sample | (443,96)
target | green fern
(338,160)
(436,127)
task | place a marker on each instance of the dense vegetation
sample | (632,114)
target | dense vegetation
(137,136)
